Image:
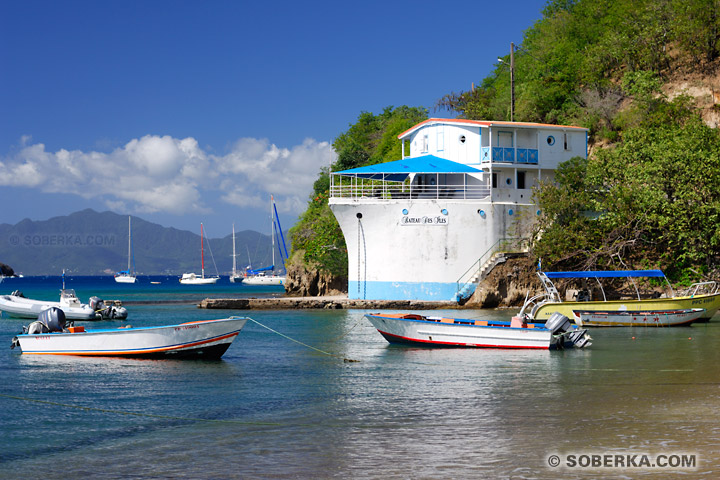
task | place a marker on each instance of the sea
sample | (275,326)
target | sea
(321,394)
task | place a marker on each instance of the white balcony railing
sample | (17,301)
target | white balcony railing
(390,190)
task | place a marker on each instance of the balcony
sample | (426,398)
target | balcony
(509,155)
(394,191)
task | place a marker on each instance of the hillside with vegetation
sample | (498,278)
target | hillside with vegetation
(643,77)
(96,243)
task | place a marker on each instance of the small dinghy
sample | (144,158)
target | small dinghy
(17,305)
(51,334)
(656,318)
(457,332)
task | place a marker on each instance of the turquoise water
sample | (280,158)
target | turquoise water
(274,408)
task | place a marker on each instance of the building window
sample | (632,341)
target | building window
(565,141)
(505,139)
(520,179)
(424,143)
(550,140)
(494,180)
(462,138)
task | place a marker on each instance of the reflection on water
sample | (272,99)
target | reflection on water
(273,408)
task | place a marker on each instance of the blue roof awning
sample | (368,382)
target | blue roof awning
(400,169)
(606,274)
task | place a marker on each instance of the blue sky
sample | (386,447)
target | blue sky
(188,111)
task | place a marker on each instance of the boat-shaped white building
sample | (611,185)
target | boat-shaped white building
(425,226)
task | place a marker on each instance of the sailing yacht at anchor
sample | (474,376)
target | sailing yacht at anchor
(193,279)
(267,275)
(235,276)
(127,276)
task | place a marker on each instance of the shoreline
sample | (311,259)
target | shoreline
(337,302)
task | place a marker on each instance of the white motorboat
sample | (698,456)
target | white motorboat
(457,332)
(655,318)
(17,305)
(207,339)
(127,276)
(193,279)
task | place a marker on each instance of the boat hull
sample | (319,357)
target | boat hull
(391,259)
(207,339)
(125,279)
(265,280)
(22,307)
(658,318)
(199,280)
(447,332)
(710,303)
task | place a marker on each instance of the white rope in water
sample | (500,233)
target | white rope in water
(301,343)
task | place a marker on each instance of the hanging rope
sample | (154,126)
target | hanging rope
(211,256)
(301,343)
(363,257)
(358,259)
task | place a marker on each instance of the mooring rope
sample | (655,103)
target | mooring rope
(301,343)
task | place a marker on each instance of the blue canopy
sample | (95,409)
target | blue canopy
(400,169)
(606,274)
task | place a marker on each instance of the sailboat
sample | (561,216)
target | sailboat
(235,276)
(191,278)
(267,275)
(126,276)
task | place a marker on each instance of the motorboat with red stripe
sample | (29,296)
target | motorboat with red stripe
(421,330)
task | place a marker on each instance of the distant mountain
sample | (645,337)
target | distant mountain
(92,243)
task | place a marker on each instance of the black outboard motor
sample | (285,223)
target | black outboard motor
(53,318)
(557,323)
(96,304)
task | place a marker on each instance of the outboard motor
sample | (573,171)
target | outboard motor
(557,323)
(53,319)
(96,303)
(579,338)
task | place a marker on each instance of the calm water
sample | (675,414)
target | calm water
(274,408)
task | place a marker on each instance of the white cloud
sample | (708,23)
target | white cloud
(169,175)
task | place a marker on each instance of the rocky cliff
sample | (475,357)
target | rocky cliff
(6,270)
(507,285)
(309,281)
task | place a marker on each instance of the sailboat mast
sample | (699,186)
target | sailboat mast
(129,243)
(202,253)
(272,230)
(234,256)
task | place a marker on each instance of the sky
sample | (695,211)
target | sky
(183,112)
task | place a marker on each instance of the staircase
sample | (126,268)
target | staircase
(495,255)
